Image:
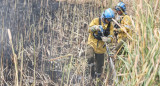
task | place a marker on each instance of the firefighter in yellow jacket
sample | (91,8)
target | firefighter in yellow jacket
(124,32)
(96,47)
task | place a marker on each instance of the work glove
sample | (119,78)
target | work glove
(96,28)
(106,39)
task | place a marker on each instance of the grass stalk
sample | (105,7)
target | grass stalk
(34,58)
(21,78)
(69,69)
(14,57)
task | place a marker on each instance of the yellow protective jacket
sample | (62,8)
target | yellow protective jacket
(126,25)
(98,48)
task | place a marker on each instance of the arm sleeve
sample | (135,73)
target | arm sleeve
(126,23)
(93,22)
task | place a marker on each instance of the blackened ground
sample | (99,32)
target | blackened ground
(22,17)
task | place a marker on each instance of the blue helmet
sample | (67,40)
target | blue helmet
(107,14)
(120,6)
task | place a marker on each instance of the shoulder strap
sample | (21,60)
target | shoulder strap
(109,25)
(99,20)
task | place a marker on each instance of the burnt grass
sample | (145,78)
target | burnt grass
(44,30)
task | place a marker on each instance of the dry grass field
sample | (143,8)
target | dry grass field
(43,42)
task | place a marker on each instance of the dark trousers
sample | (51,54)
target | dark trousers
(95,62)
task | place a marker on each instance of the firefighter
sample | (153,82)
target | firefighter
(124,30)
(95,46)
